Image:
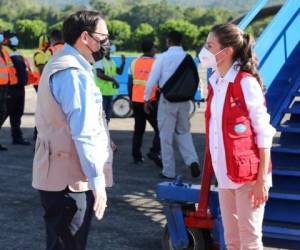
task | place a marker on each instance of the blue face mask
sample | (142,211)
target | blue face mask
(14,41)
(1,38)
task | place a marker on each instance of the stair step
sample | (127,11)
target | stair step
(295,109)
(296,94)
(286,171)
(289,127)
(284,195)
(285,149)
(283,231)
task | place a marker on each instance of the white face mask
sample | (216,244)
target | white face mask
(208,59)
(14,41)
(1,38)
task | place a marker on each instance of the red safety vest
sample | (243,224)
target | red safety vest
(241,151)
(141,69)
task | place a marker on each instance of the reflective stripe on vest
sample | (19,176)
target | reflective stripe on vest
(141,68)
(106,87)
(4,69)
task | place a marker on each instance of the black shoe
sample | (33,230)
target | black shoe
(2,148)
(21,142)
(161,175)
(138,160)
(195,169)
(156,158)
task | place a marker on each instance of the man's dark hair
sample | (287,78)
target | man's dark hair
(8,34)
(78,22)
(175,37)
(56,35)
(147,45)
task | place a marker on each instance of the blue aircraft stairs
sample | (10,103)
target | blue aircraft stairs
(278,49)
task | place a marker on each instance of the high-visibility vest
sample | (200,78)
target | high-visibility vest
(106,87)
(53,49)
(4,77)
(8,71)
(140,69)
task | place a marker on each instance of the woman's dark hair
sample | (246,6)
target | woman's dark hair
(230,35)
(78,22)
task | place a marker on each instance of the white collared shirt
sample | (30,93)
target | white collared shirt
(260,121)
(163,68)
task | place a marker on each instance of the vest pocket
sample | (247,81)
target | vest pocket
(246,164)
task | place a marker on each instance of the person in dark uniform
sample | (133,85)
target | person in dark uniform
(16,92)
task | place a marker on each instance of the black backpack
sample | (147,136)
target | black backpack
(182,85)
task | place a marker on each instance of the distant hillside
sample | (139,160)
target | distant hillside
(230,4)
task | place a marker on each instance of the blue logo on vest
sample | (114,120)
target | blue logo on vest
(240,128)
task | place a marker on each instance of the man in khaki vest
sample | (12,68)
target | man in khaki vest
(73,157)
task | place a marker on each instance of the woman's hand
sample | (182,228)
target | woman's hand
(259,194)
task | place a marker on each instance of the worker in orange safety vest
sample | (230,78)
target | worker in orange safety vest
(138,76)
(7,77)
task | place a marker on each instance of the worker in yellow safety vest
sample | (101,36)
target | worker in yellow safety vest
(40,59)
(106,72)
(7,77)
(138,76)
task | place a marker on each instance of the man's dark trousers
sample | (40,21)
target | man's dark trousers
(15,110)
(3,103)
(68,218)
(140,119)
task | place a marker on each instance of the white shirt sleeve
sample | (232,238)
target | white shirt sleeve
(154,77)
(259,117)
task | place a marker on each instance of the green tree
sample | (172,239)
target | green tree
(120,33)
(107,9)
(203,32)
(188,30)
(144,30)
(153,14)
(29,32)
(5,25)
(56,26)
(214,16)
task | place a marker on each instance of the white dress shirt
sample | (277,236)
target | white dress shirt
(260,121)
(163,68)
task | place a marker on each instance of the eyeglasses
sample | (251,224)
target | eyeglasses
(104,40)
(102,34)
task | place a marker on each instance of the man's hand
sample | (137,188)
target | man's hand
(100,202)
(116,85)
(147,107)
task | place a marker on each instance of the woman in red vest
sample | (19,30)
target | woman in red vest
(239,135)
